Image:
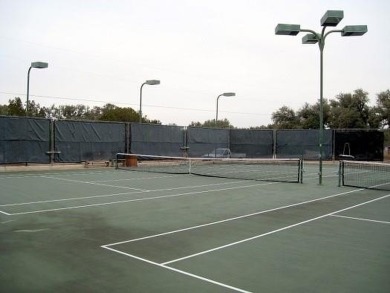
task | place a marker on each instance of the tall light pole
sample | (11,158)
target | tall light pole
(38,65)
(330,18)
(224,95)
(148,82)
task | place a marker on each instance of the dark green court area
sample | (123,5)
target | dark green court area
(107,230)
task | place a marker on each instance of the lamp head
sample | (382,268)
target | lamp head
(310,39)
(228,94)
(287,29)
(332,18)
(39,64)
(354,30)
(152,82)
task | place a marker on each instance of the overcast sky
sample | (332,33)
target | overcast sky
(102,51)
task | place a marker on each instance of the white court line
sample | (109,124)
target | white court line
(140,178)
(31,230)
(69,199)
(4,213)
(93,183)
(207,185)
(233,218)
(35,174)
(139,199)
(314,175)
(178,271)
(361,219)
(114,194)
(5,222)
(164,265)
(274,231)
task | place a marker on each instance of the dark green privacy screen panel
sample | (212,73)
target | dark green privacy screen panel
(303,143)
(24,140)
(202,141)
(252,143)
(83,141)
(362,145)
(151,139)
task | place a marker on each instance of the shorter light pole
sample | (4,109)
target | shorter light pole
(224,95)
(148,82)
(38,65)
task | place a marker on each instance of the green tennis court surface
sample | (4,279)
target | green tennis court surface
(108,230)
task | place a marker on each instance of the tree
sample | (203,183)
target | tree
(195,124)
(383,108)
(225,123)
(72,111)
(3,110)
(269,126)
(15,107)
(94,114)
(151,121)
(350,110)
(375,118)
(35,110)
(111,112)
(285,118)
(211,123)
(309,115)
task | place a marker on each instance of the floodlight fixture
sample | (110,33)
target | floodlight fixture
(310,39)
(228,94)
(354,30)
(148,82)
(287,29)
(152,82)
(332,18)
(38,65)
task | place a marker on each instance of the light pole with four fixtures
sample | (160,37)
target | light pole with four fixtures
(332,19)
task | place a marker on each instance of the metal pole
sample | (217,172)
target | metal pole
(140,103)
(216,115)
(28,90)
(321,134)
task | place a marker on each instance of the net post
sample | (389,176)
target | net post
(341,171)
(116,161)
(301,170)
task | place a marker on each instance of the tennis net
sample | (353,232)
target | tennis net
(373,175)
(277,170)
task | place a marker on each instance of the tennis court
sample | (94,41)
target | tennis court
(107,230)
